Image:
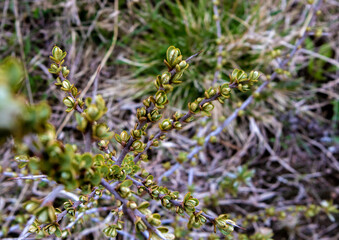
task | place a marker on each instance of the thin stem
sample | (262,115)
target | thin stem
(131,213)
(126,148)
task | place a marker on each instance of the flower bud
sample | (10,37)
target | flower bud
(69,102)
(66,85)
(124,136)
(54,69)
(207,107)
(161,99)
(137,146)
(173,56)
(64,71)
(147,102)
(58,54)
(132,205)
(165,77)
(194,107)
(182,64)
(177,125)
(254,75)
(165,125)
(210,92)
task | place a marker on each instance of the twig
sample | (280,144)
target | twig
(52,195)
(129,211)
(25,232)
(126,148)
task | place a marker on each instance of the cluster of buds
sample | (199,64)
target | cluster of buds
(122,138)
(95,111)
(174,60)
(101,132)
(242,80)
(111,230)
(196,220)
(53,228)
(197,106)
(124,188)
(71,101)
(225,225)
(189,203)
(69,208)
(116,173)
(163,81)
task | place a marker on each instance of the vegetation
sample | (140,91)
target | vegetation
(105,140)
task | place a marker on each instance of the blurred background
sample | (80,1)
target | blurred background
(274,168)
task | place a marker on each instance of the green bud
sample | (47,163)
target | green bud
(45,214)
(182,64)
(173,57)
(166,125)
(137,146)
(253,76)
(147,101)
(50,229)
(177,76)
(74,92)
(141,114)
(57,54)
(194,107)
(160,99)
(165,77)
(110,231)
(210,92)
(154,219)
(132,205)
(176,116)
(92,113)
(66,85)
(207,107)
(136,134)
(83,198)
(154,115)
(101,132)
(124,136)
(238,76)
(54,69)
(64,71)
(69,102)
(140,225)
(58,82)
(177,125)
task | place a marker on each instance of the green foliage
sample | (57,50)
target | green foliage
(317,67)
(67,166)
(232,181)
(180,23)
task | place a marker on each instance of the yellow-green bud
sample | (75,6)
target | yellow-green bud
(69,102)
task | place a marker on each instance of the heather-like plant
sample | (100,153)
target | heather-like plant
(121,174)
